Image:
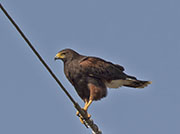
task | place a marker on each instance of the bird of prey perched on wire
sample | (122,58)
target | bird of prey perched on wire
(91,76)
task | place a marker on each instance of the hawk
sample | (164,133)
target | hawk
(91,76)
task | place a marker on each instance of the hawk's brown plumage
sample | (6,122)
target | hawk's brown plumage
(91,75)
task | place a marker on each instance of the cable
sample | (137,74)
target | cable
(87,122)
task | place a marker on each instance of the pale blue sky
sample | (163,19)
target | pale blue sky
(143,36)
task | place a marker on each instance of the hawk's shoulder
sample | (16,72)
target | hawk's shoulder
(99,68)
(87,61)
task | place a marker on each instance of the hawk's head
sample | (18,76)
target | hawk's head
(66,55)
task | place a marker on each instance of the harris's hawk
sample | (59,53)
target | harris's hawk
(91,76)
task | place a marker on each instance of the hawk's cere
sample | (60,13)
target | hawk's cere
(91,76)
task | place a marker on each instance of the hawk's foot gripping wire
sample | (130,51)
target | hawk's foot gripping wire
(87,116)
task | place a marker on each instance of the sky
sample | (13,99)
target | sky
(142,36)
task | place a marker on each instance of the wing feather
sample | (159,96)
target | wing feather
(99,68)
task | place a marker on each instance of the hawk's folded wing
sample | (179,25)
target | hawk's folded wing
(99,68)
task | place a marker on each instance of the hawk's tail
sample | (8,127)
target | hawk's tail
(133,82)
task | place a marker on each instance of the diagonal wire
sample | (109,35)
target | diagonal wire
(88,122)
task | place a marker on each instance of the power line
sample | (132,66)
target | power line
(87,121)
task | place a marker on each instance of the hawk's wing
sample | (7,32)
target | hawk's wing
(99,68)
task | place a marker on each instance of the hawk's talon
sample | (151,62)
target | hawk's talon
(77,113)
(88,116)
(81,120)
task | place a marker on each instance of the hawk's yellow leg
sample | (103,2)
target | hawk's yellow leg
(87,104)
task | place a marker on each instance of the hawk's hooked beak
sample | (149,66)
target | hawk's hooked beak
(58,56)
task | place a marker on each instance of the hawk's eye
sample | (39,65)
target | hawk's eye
(63,54)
